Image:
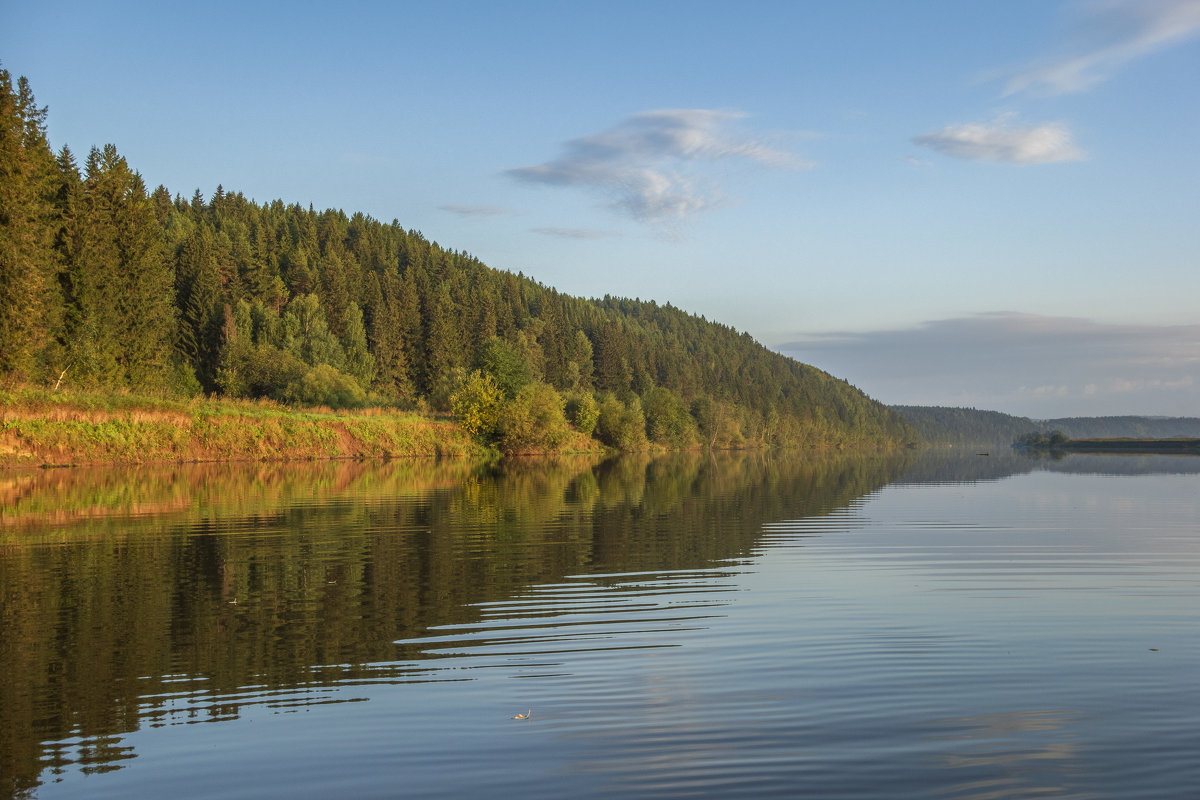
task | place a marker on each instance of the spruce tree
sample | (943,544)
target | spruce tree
(28,262)
(201,305)
(122,320)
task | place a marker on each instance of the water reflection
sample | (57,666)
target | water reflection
(957,466)
(172,596)
(740,624)
(1011,754)
(584,614)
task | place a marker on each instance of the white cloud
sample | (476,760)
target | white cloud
(647,163)
(1003,142)
(1021,364)
(1107,36)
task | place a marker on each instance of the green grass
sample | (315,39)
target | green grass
(40,428)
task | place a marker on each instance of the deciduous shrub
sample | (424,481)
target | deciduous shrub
(507,364)
(533,421)
(668,420)
(324,385)
(476,404)
(621,426)
(582,412)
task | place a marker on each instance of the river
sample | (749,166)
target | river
(903,626)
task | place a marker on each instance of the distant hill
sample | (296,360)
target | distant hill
(965,427)
(1124,427)
(969,427)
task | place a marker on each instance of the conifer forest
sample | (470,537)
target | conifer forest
(106,284)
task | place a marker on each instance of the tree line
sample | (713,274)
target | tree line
(970,427)
(106,284)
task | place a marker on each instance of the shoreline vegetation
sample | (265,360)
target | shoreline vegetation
(1056,442)
(944,426)
(233,319)
(43,428)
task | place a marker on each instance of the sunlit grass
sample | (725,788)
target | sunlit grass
(39,427)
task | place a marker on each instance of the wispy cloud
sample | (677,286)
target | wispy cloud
(1107,35)
(1004,142)
(575,233)
(648,163)
(1027,364)
(475,211)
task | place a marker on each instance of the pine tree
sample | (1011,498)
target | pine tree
(201,304)
(555,345)
(393,346)
(122,320)
(443,347)
(28,261)
(613,371)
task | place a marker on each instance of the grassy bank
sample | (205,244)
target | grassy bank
(40,428)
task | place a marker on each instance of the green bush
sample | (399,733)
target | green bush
(507,364)
(476,405)
(533,421)
(324,385)
(183,382)
(582,412)
(259,371)
(621,426)
(668,420)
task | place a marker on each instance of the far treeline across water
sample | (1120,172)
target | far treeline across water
(105,285)
(969,427)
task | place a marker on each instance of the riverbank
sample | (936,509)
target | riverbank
(1057,443)
(1130,446)
(40,428)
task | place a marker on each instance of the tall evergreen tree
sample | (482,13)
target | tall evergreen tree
(387,338)
(555,345)
(201,304)
(28,262)
(444,351)
(123,322)
(613,371)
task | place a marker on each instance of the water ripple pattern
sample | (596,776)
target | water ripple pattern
(747,628)
(585,616)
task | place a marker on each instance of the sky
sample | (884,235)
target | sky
(987,204)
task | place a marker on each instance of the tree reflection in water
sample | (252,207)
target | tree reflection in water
(154,596)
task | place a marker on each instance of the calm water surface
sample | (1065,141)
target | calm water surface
(747,625)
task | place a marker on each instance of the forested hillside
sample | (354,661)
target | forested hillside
(106,284)
(965,427)
(1126,427)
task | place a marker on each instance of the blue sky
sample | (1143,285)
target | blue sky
(978,203)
